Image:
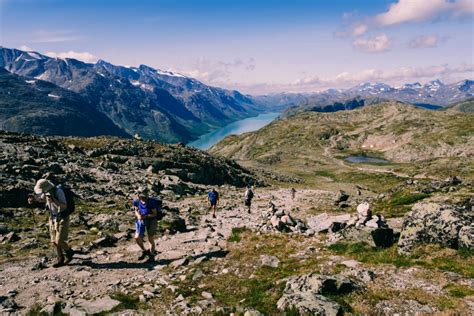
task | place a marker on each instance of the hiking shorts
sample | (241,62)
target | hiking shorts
(213,203)
(248,202)
(58,229)
(148,225)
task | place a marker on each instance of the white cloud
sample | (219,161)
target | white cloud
(43,36)
(405,11)
(422,10)
(84,56)
(377,44)
(426,41)
(215,72)
(344,80)
(359,29)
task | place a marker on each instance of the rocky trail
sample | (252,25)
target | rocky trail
(106,270)
(406,249)
(97,281)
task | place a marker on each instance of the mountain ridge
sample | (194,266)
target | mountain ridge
(141,100)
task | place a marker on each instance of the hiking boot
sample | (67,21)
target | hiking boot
(151,256)
(69,255)
(213,215)
(59,263)
(144,254)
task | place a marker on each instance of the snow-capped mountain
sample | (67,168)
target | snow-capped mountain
(433,93)
(141,100)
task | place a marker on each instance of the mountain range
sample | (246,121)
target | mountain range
(165,106)
(154,104)
(433,94)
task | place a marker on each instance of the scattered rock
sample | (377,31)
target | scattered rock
(436,223)
(270,261)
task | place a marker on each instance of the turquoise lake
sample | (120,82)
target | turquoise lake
(249,124)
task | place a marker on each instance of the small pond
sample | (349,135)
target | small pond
(365,159)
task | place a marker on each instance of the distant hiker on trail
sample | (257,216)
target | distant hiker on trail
(146,212)
(213,198)
(293,193)
(60,204)
(248,196)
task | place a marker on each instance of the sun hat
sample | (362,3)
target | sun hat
(43,186)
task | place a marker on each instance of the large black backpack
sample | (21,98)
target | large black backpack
(71,206)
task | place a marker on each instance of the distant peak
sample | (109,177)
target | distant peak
(146,68)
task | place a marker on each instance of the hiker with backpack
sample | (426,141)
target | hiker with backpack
(213,198)
(146,212)
(248,196)
(59,202)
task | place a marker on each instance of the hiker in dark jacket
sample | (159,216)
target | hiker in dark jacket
(55,200)
(213,198)
(146,211)
(248,196)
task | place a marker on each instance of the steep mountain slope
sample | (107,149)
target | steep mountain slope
(40,107)
(466,106)
(155,104)
(401,133)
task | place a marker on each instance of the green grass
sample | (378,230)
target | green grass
(406,199)
(459,290)
(127,301)
(429,256)
(398,204)
(235,235)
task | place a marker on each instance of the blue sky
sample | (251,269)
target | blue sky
(256,46)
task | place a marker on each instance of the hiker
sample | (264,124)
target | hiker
(59,207)
(146,212)
(213,198)
(248,196)
(293,193)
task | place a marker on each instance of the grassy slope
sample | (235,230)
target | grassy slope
(416,141)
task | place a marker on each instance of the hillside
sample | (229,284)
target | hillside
(40,107)
(466,106)
(413,140)
(141,100)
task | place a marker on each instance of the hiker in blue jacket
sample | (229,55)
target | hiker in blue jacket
(213,198)
(146,210)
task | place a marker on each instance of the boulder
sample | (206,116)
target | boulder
(106,241)
(310,304)
(175,223)
(341,196)
(447,225)
(322,222)
(375,237)
(305,293)
(466,237)
(101,305)
(270,261)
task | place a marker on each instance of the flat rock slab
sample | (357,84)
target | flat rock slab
(101,305)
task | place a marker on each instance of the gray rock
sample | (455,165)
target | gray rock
(106,241)
(322,222)
(270,261)
(375,237)
(48,309)
(179,263)
(101,305)
(206,295)
(435,223)
(310,304)
(252,312)
(466,237)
